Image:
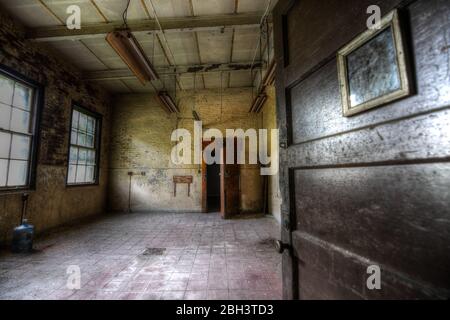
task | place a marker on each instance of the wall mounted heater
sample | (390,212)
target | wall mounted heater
(128,48)
(258,103)
(168,103)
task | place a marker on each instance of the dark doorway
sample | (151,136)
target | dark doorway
(213,187)
(220,185)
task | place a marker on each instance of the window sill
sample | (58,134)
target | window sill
(70,186)
(15,191)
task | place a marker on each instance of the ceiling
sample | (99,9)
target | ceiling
(188,46)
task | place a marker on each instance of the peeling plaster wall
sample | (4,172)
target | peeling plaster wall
(52,203)
(141,143)
(269,114)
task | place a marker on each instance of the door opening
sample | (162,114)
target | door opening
(220,185)
(213,187)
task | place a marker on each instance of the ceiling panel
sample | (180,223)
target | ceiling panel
(215,46)
(137,87)
(114,9)
(105,52)
(255,5)
(184,47)
(210,7)
(187,81)
(79,55)
(245,43)
(114,86)
(29,12)
(169,8)
(148,42)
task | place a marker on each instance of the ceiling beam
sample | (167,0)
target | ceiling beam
(179,24)
(120,74)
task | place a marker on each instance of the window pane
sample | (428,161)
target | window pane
(82,126)
(91,157)
(82,156)
(82,161)
(81,139)
(3,172)
(72,173)
(73,155)
(22,97)
(17,175)
(81,174)
(90,178)
(73,137)
(91,125)
(5,142)
(89,141)
(20,147)
(6,90)
(75,117)
(5,116)
(20,121)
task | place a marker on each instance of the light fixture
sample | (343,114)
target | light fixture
(258,102)
(128,48)
(168,103)
(269,77)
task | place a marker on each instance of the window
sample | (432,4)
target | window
(84,147)
(18,127)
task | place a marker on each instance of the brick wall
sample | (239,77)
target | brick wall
(52,204)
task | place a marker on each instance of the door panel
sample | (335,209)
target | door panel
(316,116)
(373,188)
(361,210)
(229,187)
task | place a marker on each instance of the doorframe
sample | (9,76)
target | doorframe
(204,174)
(290,276)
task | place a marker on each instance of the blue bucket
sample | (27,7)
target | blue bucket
(22,241)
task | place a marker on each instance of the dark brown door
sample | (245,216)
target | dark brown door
(204,180)
(372,189)
(229,187)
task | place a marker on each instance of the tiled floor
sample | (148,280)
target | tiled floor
(203,257)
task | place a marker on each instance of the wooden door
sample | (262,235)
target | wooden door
(204,180)
(229,186)
(372,189)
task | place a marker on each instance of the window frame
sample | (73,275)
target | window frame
(35,124)
(97,144)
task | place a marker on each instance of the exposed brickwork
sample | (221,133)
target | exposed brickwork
(52,203)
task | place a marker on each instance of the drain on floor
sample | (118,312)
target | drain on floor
(154,252)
